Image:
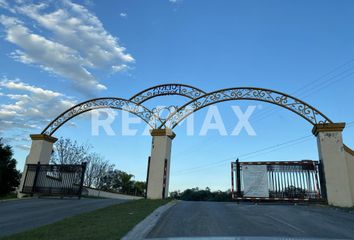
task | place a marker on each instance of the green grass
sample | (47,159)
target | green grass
(112,222)
(8,196)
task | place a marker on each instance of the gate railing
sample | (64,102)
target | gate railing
(291,180)
(54,180)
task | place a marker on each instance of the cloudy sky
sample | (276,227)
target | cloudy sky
(54,54)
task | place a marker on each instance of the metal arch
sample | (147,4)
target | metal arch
(293,104)
(167,89)
(158,111)
(108,102)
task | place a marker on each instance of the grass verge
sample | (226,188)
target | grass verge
(112,222)
(8,196)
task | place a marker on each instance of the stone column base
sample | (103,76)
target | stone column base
(41,150)
(336,172)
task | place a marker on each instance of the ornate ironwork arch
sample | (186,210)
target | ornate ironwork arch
(167,89)
(109,102)
(293,104)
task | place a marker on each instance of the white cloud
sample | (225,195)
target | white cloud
(39,92)
(50,56)
(81,42)
(120,68)
(24,147)
(123,15)
(3,4)
(29,107)
(89,3)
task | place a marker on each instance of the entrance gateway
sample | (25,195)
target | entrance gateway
(337,159)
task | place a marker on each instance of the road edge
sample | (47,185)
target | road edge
(143,228)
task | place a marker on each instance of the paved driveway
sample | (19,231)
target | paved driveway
(20,215)
(207,219)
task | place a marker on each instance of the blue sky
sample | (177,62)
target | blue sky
(54,54)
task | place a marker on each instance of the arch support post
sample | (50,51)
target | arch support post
(41,150)
(336,169)
(159,167)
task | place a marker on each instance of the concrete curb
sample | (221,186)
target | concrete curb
(142,229)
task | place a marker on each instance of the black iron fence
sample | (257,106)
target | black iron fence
(54,180)
(295,180)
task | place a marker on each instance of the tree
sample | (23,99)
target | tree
(9,176)
(122,182)
(96,167)
(99,173)
(196,194)
(139,188)
(70,152)
(175,194)
(110,181)
(126,182)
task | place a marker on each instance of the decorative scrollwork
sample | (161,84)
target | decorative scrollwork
(167,89)
(293,104)
(164,112)
(115,103)
(200,99)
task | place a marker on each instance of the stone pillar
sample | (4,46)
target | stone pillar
(159,169)
(41,150)
(336,169)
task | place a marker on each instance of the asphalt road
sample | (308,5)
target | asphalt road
(20,215)
(211,219)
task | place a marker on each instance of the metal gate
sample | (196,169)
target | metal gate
(286,181)
(54,180)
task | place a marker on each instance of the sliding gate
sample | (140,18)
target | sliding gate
(54,180)
(287,181)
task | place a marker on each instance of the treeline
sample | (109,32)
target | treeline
(121,182)
(99,174)
(9,176)
(196,194)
